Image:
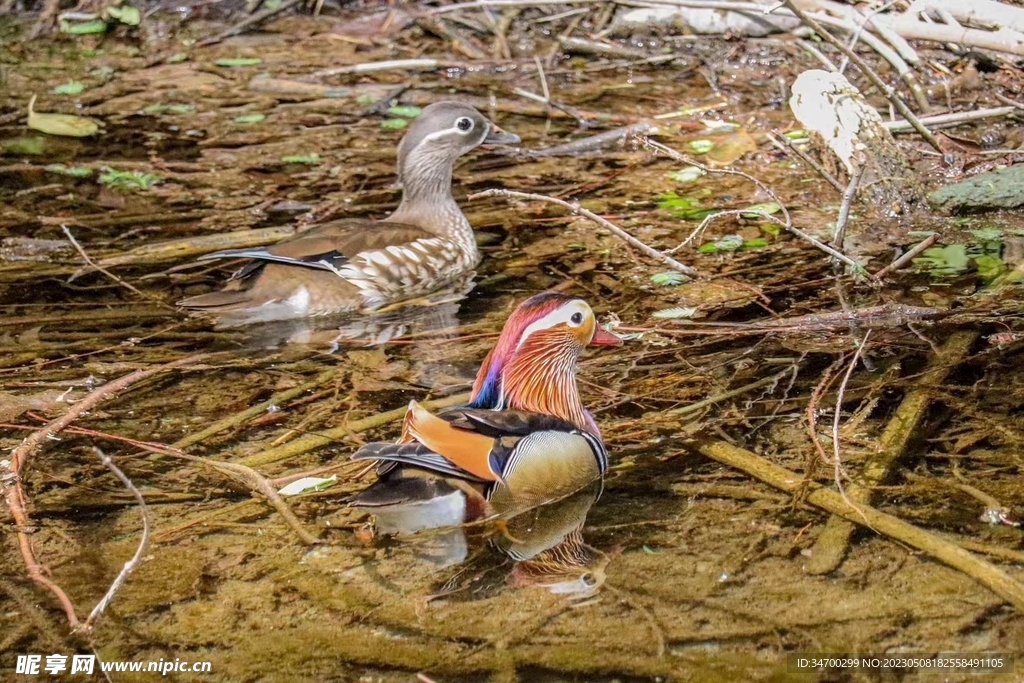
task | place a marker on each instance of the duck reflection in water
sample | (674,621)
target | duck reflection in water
(545,543)
(436,315)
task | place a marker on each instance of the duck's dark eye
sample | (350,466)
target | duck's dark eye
(464,124)
(577,318)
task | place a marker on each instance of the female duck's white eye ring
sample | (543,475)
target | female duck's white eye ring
(576,319)
(464,123)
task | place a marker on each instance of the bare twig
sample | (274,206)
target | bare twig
(328,436)
(131,564)
(907,257)
(575,208)
(786,145)
(595,142)
(950,119)
(248,476)
(251,20)
(812,414)
(857,267)
(386,65)
(127,285)
(839,236)
(837,461)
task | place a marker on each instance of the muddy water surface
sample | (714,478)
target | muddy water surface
(686,569)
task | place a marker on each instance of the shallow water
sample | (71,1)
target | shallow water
(686,569)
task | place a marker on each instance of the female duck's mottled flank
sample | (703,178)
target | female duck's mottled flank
(352,265)
(525,438)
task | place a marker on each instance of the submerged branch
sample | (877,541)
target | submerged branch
(832,544)
(981,571)
(14,495)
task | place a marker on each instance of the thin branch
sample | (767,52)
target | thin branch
(786,145)
(839,236)
(837,462)
(907,257)
(131,564)
(857,267)
(576,209)
(127,285)
(950,119)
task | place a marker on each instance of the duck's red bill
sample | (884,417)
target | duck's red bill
(603,337)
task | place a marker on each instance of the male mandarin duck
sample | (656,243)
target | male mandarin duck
(524,439)
(359,264)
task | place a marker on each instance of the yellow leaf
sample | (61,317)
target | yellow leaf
(61,124)
(731,148)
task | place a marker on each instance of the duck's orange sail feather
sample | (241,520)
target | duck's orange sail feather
(468,450)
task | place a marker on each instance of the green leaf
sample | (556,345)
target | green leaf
(366,99)
(987,234)
(170,109)
(795,134)
(673,313)
(942,261)
(69,88)
(60,124)
(83,28)
(755,243)
(394,124)
(127,180)
(73,171)
(26,145)
(701,146)
(989,267)
(176,58)
(669,278)
(772,229)
(126,14)
(765,208)
(239,61)
(687,208)
(405,110)
(250,118)
(671,201)
(727,243)
(302,159)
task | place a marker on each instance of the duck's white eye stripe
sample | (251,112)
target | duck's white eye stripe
(564,314)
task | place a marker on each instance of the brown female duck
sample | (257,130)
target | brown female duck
(362,265)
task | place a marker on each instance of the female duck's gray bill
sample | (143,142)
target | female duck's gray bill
(496,136)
